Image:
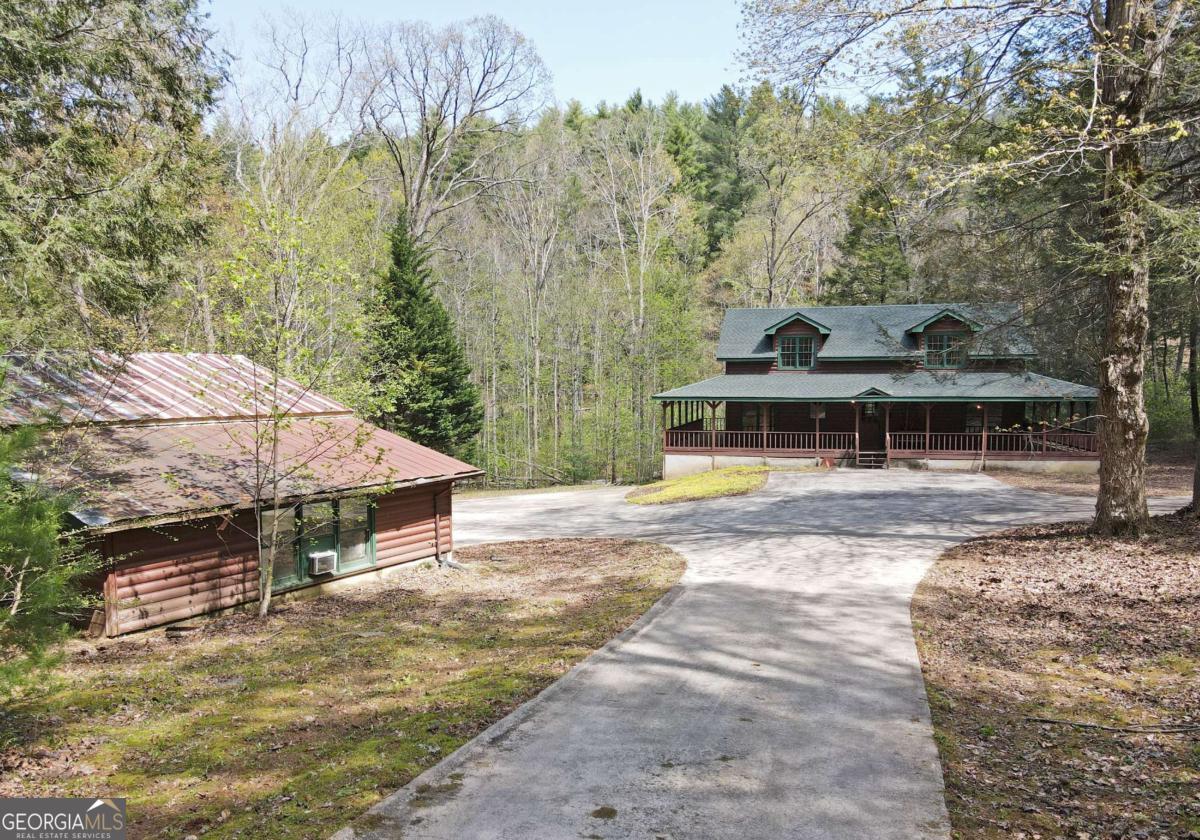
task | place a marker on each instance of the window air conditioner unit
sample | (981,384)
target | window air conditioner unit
(322,562)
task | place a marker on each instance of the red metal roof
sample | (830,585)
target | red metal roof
(167,435)
(150,387)
(165,471)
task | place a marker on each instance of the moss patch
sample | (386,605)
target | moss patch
(292,726)
(731,481)
(1053,623)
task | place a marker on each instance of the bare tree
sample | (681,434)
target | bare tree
(797,214)
(531,206)
(443,102)
(631,175)
(292,138)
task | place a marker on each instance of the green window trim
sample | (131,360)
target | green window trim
(299,544)
(796,352)
(945,351)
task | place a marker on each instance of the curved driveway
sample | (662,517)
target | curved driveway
(776,693)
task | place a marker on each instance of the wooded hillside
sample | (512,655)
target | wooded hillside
(584,252)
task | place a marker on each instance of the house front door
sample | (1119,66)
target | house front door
(870,427)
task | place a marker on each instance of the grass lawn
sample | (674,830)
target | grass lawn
(290,727)
(1049,622)
(1167,474)
(731,481)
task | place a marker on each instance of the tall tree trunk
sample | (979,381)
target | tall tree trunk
(1194,392)
(1121,504)
(1131,51)
(206,321)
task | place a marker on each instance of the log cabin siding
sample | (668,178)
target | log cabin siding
(174,572)
(406,525)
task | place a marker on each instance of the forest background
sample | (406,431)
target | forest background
(161,195)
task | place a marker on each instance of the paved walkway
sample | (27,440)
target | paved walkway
(775,694)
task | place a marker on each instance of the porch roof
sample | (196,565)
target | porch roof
(913,386)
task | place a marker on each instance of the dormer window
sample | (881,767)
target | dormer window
(796,352)
(945,350)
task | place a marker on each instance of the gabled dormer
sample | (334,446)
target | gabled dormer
(796,340)
(943,339)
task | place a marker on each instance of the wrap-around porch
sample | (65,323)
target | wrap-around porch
(859,429)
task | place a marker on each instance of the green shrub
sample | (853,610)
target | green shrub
(1169,408)
(40,569)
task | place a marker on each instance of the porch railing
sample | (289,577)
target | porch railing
(1062,442)
(697,439)
(1050,443)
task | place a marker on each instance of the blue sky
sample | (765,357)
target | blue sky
(594,50)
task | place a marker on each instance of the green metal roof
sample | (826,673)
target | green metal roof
(875,332)
(912,386)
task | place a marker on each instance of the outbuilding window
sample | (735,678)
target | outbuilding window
(345,527)
(944,350)
(796,351)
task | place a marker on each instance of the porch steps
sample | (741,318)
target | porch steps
(872,460)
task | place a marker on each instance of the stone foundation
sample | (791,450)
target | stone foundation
(1080,466)
(678,465)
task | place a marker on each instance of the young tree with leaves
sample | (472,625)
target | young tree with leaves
(41,570)
(422,381)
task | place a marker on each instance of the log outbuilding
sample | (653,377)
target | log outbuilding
(191,472)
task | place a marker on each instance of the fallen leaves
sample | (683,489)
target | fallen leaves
(1062,675)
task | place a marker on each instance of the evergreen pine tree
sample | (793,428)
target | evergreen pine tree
(726,183)
(874,267)
(43,568)
(422,385)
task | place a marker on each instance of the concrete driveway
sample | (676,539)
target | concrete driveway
(776,693)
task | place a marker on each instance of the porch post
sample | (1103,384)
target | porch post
(665,432)
(817,443)
(712,431)
(928,409)
(983,442)
(763,422)
(856,447)
(887,432)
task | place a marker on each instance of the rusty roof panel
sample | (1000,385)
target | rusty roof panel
(125,473)
(150,387)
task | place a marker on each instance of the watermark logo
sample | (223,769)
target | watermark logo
(62,818)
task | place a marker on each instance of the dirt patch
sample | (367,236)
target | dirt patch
(1166,475)
(292,726)
(493,492)
(1052,623)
